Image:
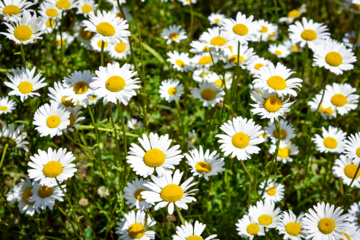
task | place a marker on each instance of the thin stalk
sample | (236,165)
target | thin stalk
(102,53)
(348,188)
(61,36)
(180,215)
(3,154)
(191,21)
(276,11)
(88,127)
(96,131)
(250,179)
(124,136)
(115,133)
(181,123)
(68,218)
(23,54)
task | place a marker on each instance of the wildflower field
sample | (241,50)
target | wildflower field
(183,120)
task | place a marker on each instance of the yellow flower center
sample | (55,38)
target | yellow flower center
(272,104)
(52,12)
(63,4)
(219,83)
(265,220)
(263,29)
(53,121)
(294,48)
(283,134)
(334,59)
(203,167)
(28,194)
(172,91)
(22,33)
(50,23)
(171,193)
(234,59)
(180,63)
(205,60)
(277,52)
(194,237)
(206,49)
(136,230)
(330,142)
(208,94)
(115,84)
(350,171)
(72,120)
(283,153)
(67,103)
(137,194)
(240,29)
(346,235)
(105,29)
(45,191)
(87,35)
(86,8)
(258,66)
(154,157)
(100,44)
(326,110)
(352,40)
(81,87)
(3,108)
(252,229)
(326,225)
(92,98)
(58,42)
(293,13)
(218,41)
(293,228)
(240,140)
(120,47)
(355,7)
(52,169)
(119,15)
(11,10)
(173,36)
(135,125)
(277,83)
(25,87)
(217,20)
(271,36)
(339,100)
(309,35)
(271,191)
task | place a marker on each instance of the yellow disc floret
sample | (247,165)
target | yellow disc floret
(283,134)
(53,121)
(339,100)
(120,47)
(258,66)
(171,193)
(294,13)
(136,230)
(23,33)
(115,84)
(309,35)
(277,83)
(53,169)
(11,10)
(154,157)
(240,29)
(105,29)
(52,12)
(283,153)
(330,142)
(350,171)
(208,94)
(218,41)
(240,140)
(172,91)
(326,225)
(194,237)
(271,191)
(252,229)
(81,87)
(3,108)
(63,4)
(265,220)
(137,194)
(293,229)
(86,8)
(25,87)
(173,36)
(45,191)
(180,63)
(205,60)
(334,59)
(203,167)
(272,104)
(27,194)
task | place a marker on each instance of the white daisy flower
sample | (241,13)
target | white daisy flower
(292,47)
(287,131)
(293,14)
(133,226)
(6,105)
(74,118)
(215,38)
(134,124)
(345,168)
(269,105)
(12,9)
(23,194)
(67,39)
(256,64)
(204,60)
(350,40)
(241,138)
(114,2)
(132,194)
(107,26)
(24,83)
(273,192)
(265,214)
(291,226)
(286,150)
(58,95)
(350,233)
(187,2)
(205,164)
(199,75)
(13,137)
(216,18)
(191,138)
(113,83)
(277,80)
(217,80)
(64,4)
(233,52)
(24,30)
(46,167)
(167,191)
(103,192)
(248,228)
(49,24)
(242,29)
(93,100)
(354,215)
(330,141)
(327,111)
(325,222)
(12,195)
(308,32)
(120,50)
(96,44)
(179,61)
(51,119)
(49,11)
(334,56)
(171,90)
(77,86)
(279,50)
(190,232)
(266,30)
(119,14)
(173,33)
(208,93)
(82,35)
(85,7)
(199,47)
(351,5)
(153,155)
(44,196)
(352,147)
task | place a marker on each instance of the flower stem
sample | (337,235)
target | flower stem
(348,188)
(180,215)
(96,131)
(68,218)
(191,21)
(115,133)
(181,123)
(250,179)
(102,53)
(3,154)
(23,54)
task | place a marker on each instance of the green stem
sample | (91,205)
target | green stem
(122,126)
(88,127)
(250,179)
(96,131)
(181,119)
(180,215)
(23,54)
(69,220)
(61,37)
(115,133)
(191,21)
(348,188)
(102,53)
(3,154)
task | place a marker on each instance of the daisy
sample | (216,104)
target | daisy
(49,24)
(96,44)
(113,83)
(167,191)
(248,228)
(82,35)
(188,231)
(214,38)
(114,2)
(119,14)
(74,118)
(217,80)
(47,167)
(191,137)
(352,147)
(204,60)
(277,80)
(103,192)
(350,233)
(208,93)
(326,110)
(45,196)
(77,86)
(173,33)
(66,39)
(179,61)
(325,222)
(187,2)
(58,95)
(12,9)
(269,105)
(153,155)
(242,29)
(51,119)
(279,50)
(256,64)
(292,47)
(24,83)
(273,192)
(93,100)
(107,26)
(265,214)
(216,18)
(350,40)
(120,50)
(345,168)
(287,131)
(24,30)
(13,137)
(171,90)
(49,11)
(205,164)
(293,14)
(286,150)
(64,4)
(134,124)
(334,56)
(132,194)
(330,141)
(240,138)
(266,30)
(6,105)
(354,215)
(134,226)
(85,7)
(199,75)
(291,226)
(308,32)
(351,5)
(235,52)
(199,47)
(23,193)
